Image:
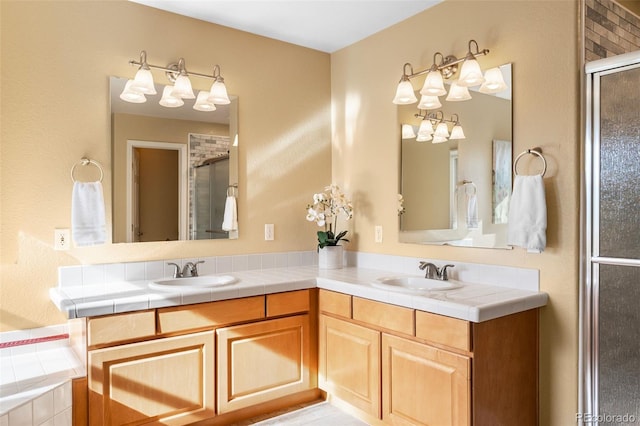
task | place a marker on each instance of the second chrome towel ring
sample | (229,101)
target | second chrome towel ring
(533,151)
(84,161)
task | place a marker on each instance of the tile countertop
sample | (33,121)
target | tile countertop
(471,302)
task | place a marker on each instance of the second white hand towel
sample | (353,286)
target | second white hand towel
(527,225)
(472,211)
(230,221)
(88,226)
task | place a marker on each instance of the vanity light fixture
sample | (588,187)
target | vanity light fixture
(441,134)
(172,96)
(445,68)
(429,102)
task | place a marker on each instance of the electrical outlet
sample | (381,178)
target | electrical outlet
(268,232)
(378,233)
(62,239)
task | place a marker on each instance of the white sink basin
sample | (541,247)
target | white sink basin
(415,284)
(192,283)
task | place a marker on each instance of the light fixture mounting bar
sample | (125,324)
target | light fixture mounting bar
(449,61)
(172,70)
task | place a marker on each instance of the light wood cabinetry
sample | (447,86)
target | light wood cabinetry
(159,366)
(423,385)
(262,361)
(168,380)
(349,364)
(428,369)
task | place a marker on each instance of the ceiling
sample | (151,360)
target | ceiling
(325,25)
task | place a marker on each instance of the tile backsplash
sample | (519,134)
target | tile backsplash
(81,275)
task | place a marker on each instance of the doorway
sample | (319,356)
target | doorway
(156,191)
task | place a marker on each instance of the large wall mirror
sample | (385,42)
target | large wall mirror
(457,192)
(173,168)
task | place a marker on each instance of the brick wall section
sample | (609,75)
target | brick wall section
(610,30)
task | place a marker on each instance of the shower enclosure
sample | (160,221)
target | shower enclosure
(610,273)
(210,183)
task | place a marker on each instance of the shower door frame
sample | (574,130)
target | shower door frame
(590,219)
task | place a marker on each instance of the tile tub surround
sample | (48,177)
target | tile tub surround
(52,407)
(28,372)
(492,291)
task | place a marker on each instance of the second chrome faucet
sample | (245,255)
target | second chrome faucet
(433,272)
(190,269)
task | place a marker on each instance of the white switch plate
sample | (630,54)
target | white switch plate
(62,239)
(378,232)
(268,232)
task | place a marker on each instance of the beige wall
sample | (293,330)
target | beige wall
(56,61)
(541,39)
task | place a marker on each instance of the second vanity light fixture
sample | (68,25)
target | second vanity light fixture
(439,133)
(172,96)
(470,76)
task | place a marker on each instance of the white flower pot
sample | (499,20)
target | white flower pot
(331,257)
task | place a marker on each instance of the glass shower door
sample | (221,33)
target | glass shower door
(611,281)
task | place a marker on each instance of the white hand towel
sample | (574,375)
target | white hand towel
(527,224)
(230,221)
(88,226)
(472,211)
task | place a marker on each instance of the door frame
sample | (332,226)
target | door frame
(183,190)
(590,258)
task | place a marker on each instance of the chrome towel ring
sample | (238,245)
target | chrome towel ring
(84,161)
(533,151)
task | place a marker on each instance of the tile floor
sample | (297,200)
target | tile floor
(317,414)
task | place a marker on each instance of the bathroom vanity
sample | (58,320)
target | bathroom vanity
(279,337)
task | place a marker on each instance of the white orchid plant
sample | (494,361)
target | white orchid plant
(324,211)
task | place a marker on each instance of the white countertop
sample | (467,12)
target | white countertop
(471,302)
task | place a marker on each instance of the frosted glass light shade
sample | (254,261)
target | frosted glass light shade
(433,84)
(493,81)
(470,74)
(429,102)
(426,128)
(442,130)
(202,104)
(439,139)
(143,82)
(133,96)
(404,94)
(423,138)
(218,94)
(457,132)
(182,88)
(458,93)
(408,132)
(168,100)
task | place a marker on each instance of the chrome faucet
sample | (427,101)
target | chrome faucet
(435,273)
(190,269)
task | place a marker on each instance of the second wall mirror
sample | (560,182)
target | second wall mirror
(456,192)
(173,169)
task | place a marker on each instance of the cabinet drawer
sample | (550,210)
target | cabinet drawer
(120,328)
(335,303)
(210,315)
(444,330)
(390,317)
(291,302)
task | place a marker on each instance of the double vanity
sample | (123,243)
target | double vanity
(390,347)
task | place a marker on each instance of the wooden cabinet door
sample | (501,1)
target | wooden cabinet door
(422,385)
(167,381)
(262,361)
(349,365)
